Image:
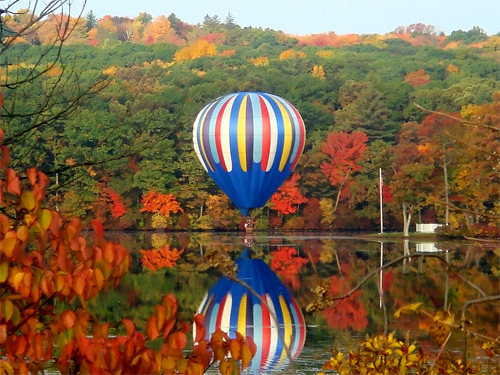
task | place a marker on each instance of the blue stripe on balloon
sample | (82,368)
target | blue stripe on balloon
(213,313)
(294,345)
(199,135)
(233,131)
(249,131)
(211,133)
(257,128)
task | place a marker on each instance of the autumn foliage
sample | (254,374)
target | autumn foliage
(45,259)
(288,197)
(160,258)
(287,263)
(164,204)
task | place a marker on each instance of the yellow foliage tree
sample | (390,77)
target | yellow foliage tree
(159,30)
(260,61)
(318,72)
(291,54)
(111,71)
(327,209)
(324,54)
(493,43)
(452,68)
(200,49)
(375,40)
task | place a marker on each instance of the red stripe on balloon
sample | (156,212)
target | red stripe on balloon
(266,331)
(218,322)
(218,141)
(266,134)
(302,326)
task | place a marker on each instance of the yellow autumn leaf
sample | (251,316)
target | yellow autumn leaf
(28,200)
(44,217)
(407,309)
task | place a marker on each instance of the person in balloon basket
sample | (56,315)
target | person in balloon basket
(249,225)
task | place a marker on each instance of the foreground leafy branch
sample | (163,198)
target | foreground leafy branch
(46,260)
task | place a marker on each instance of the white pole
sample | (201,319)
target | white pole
(381,212)
(381,286)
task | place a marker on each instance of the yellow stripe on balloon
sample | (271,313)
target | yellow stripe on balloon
(287,142)
(287,323)
(242,315)
(242,125)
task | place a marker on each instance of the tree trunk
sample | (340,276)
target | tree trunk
(201,206)
(338,194)
(407,212)
(446,187)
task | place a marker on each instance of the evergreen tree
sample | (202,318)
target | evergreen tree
(91,20)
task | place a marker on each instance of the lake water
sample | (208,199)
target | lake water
(339,262)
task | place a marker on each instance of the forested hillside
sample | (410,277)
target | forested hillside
(105,108)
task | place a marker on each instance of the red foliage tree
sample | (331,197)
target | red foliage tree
(312,214)
(287,263)
(349,313)
(344,150)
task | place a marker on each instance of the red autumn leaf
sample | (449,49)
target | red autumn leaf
(199,327)
(129,326)
(31,174)
(98,230)
(68,319)
(5,158)
(79,285)
(180,340)
(151,329)
(12,181)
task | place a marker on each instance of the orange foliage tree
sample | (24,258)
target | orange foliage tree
(417,78)
(44,260)
(160,258)
(164,204)
(288,197)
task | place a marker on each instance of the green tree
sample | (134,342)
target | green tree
(363,109)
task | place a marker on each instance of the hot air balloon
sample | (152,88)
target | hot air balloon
(249,143)
(233,308)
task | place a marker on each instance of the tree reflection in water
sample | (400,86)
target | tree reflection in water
(446,279)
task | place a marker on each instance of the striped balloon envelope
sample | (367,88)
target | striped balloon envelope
(249,143)
(233,308)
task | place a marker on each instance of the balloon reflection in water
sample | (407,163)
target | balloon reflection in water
(232,307)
